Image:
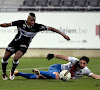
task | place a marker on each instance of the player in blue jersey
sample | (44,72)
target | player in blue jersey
(76,67)
(27,29)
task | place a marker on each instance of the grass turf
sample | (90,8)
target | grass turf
(26,65)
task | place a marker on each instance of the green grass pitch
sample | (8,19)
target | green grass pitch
(26,65)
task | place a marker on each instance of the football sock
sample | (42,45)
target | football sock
(27,75)
(4,65)
(48,74)
(15,63)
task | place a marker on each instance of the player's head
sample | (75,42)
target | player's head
(83,62)
(31,19)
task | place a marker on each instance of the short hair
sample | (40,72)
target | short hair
(32,14)
(85,59)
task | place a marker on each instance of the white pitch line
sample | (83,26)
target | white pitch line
(27,69)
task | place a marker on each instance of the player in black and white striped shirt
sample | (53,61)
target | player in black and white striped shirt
(27,29)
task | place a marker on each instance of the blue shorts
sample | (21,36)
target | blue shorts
(55,68)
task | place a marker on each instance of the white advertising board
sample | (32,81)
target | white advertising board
(82,28)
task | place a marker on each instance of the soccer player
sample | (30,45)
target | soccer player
(76,67)
(27,29)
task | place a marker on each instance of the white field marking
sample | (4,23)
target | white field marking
(27,68)
(29,65)
(31,59)
(28,59)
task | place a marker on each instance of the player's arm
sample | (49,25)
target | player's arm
(50,56)
(95,76)
(61,57)
(5,25)
(57,31)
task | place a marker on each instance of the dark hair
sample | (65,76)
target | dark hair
(32,14)
(85,58)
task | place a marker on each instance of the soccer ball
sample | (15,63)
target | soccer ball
(65,75)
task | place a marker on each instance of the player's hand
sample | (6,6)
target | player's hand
(50,56)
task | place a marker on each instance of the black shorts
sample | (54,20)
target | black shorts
(14,46)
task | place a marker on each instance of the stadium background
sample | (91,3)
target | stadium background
(79,19)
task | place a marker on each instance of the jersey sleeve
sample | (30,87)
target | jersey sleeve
(16,23)
(87,71)
(42,27)
(73,60)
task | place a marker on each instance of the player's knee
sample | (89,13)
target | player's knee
(18,55)
(37,77)
(5,58)
(16,58)
(57,76)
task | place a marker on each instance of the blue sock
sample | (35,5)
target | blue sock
(27,75)
(48,74)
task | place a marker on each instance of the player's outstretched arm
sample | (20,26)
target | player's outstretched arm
(50,56)
(5,25)
(95,76)
(57,31)
(61,57)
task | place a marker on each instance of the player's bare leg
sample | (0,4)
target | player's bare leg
(41,77)
(57,75)
(17,56)
(4,62)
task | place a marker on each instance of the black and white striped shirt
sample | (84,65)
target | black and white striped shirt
(26,33)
